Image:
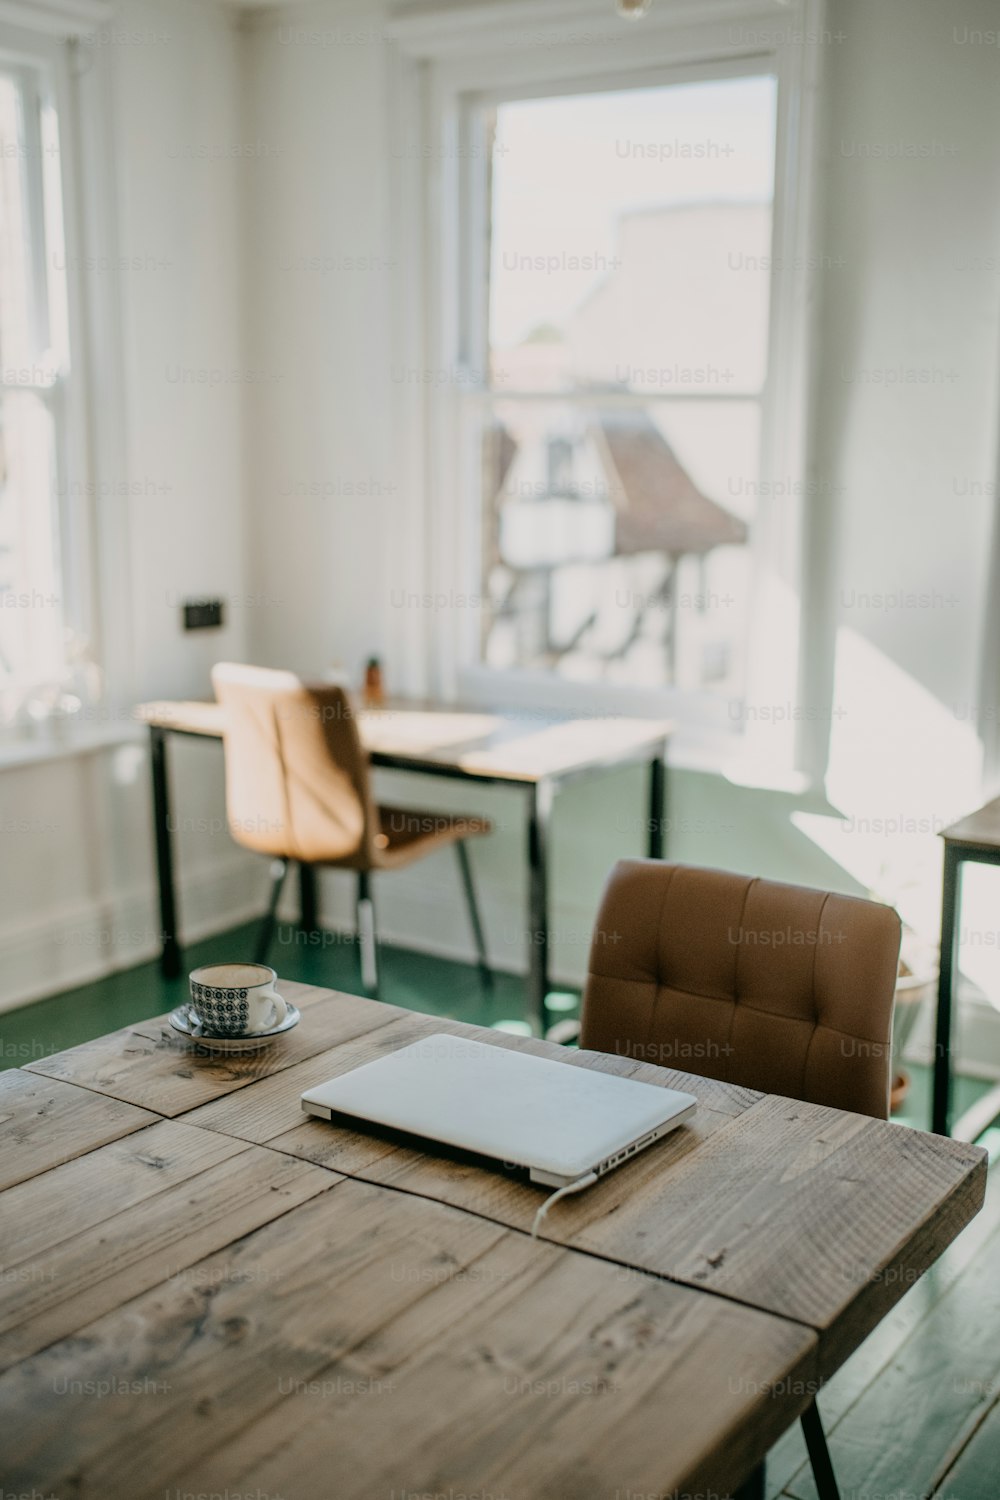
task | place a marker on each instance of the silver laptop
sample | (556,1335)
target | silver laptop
(561,1122)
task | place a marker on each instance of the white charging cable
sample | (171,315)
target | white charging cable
(563,1192)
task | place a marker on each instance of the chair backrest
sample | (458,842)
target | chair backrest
(297,779)
(773,987)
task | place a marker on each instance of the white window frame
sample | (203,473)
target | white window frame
(56,37)
(436,69)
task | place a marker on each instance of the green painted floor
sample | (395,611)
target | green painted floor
(914,1414)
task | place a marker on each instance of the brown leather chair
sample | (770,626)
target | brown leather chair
(298,788)
(773,987)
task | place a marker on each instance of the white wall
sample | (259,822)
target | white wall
(76,878)
(907,420)
(915,298)
(178,127)
(319,262)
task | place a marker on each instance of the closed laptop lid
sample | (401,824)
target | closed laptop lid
(501,1102)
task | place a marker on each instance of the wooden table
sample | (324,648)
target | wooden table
(225,1296)
(537,754)
(976,839)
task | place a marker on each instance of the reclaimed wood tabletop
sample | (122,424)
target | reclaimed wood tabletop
(202,1289)
(802,1211)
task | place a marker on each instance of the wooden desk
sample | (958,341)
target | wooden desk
(223,1294)
(537,754)
(974,838)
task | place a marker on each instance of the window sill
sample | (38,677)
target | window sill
(46,744)
(736,768)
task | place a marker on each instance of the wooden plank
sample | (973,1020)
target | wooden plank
(149,1064)
(404,1347)
(178,1198)
(974,1475)
(44,1122)
(568,1385)
(807,1212)
(61,1203)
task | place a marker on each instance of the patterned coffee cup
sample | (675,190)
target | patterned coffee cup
(235,999)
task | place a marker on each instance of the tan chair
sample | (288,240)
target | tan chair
(772,987)
(298,787)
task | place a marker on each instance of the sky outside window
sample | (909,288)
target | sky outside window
(568,170)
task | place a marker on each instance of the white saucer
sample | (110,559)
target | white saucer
(251,1041)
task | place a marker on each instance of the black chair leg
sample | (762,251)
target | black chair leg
(819,1454)
(367,938)
(752,1488)
(279,869)
(465,866)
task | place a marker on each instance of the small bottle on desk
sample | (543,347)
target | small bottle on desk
(373,692)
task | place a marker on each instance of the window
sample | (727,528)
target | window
(624,324)
(606,411)
(35,387)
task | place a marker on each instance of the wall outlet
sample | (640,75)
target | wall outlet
(202,614)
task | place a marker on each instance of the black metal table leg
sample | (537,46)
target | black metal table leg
(475,920)
(657,804)
(950,904)
(819,1454)
(279,869)
(752,1488)
(170,950)
(307,898)
(540,809)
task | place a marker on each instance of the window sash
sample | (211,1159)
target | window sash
(475,396)
(44,372)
